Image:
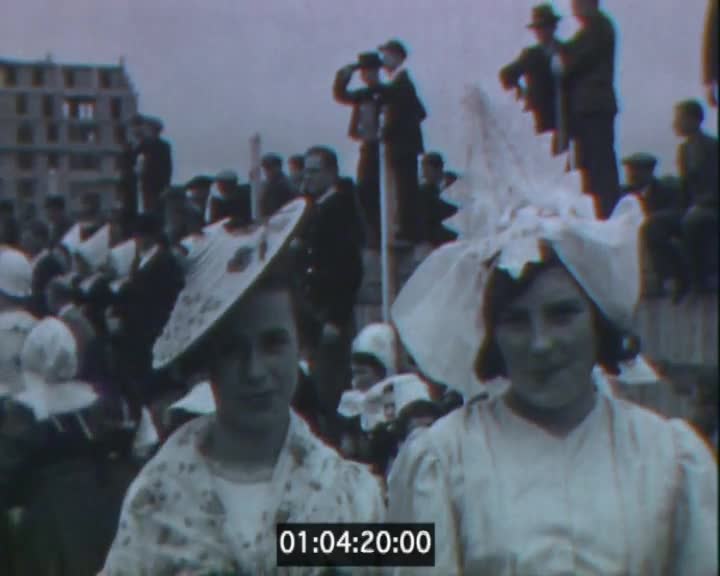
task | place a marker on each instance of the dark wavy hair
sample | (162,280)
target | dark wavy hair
(613,344)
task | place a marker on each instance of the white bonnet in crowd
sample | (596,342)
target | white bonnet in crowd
(49,364)
(15,273)
(15,325)
(379,341)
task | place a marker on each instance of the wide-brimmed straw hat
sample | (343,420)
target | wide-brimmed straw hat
(15,325)
(515,197)
(220,269)
(49,364)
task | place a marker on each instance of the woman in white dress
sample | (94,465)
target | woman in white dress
(557,475)
(209,501)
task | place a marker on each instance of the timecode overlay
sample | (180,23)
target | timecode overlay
(355,544)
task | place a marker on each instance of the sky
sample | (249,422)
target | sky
(218,71)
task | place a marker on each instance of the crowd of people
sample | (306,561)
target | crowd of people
(179,376)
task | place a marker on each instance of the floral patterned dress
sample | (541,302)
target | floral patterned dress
(174,519)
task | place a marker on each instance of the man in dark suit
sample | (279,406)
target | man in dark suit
(58,221)
(533,65)
(276,189)
(435,209)
(365,129)
(330,243)
(698,169)
(154,167)
(402,134)
(710,53)
(229,199)
(588,66)
(662,229)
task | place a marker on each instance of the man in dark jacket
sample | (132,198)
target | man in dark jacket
(154,167)
(698,169)
(228,199)
(533,65)
(436,210)
(402,134)
(662,229)
(330,247)
(588,66)
(57,218)
(276,189)
(365,128)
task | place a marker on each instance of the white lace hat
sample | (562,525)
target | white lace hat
(15,273)
(49,364)
(384,401)
(15,325)
(515,195)
(220,269)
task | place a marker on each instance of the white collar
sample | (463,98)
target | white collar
(65,309)
(392,76)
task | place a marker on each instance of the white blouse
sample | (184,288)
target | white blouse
(625,493)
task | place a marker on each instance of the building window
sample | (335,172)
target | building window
(52,133)
(69,78)
(53,161)
(21,105)
(10,76)
(25,161)
(38,76)
(48,106)
(86,110)
(25,134)
(85,162)
(120,135)
(26,189)
(105,79)
(82,134)
(116,108)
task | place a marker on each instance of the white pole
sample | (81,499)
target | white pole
(385,234)
(255,184)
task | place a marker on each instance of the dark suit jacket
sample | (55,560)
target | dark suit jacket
(332,237)
(275,194)
(657,197)
(157,171)
(404,113)
(710,44)
(238,207)
(698,169)
(435,212)
(589,59)
(534,65)
(358,99)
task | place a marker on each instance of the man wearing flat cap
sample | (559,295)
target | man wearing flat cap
(662,231)
(365,128)
(541,90)
(402,134)
(276,190)
(153,166)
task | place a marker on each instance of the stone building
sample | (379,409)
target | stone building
(62,128)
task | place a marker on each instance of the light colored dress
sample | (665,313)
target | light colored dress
(625,493)
(178,515)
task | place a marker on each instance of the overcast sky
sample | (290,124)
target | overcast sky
(218,70)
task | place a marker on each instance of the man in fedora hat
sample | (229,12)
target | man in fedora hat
(402,134)
(533,65)
(365,129)
(153,167)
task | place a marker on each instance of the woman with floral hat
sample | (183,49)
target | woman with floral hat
(558,475)
(208,502)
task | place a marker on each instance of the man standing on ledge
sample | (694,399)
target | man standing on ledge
(404,112)
(587,62)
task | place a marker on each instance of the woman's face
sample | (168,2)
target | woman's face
(255,362)
(547,339)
